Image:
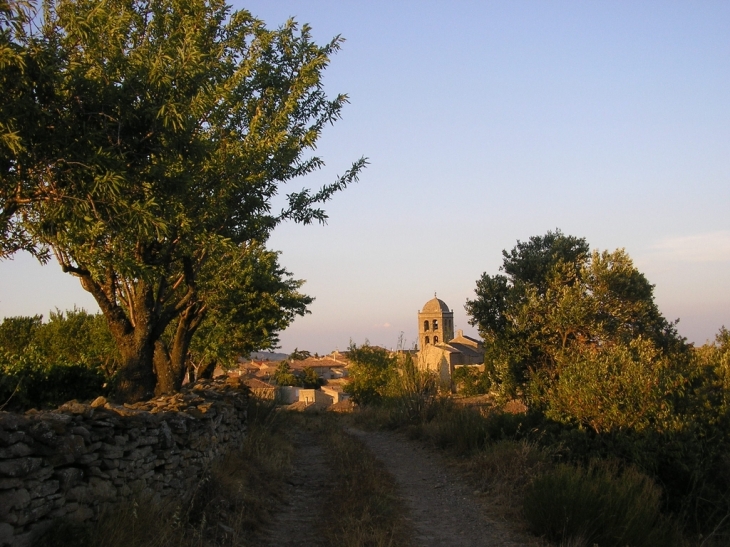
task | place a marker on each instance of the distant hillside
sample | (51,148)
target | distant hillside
(270,355)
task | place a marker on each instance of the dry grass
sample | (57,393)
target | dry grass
(503,470)
(364,508)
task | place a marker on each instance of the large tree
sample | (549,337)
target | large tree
(168,128)
(578,334)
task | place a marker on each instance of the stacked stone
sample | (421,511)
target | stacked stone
(73,461)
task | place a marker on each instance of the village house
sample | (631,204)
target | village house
(326,367)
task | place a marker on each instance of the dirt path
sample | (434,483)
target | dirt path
(443,510)
(296,523)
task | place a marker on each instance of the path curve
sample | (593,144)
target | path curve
(443,510)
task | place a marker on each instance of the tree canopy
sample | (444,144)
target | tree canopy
(142,141)
(578,334)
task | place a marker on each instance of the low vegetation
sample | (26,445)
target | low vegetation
(575,485)
(364,507)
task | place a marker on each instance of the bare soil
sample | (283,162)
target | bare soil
(443,509)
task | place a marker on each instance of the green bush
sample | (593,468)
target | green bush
(471,381)
(44,365)
(371,371)
(29,381)
(600,504)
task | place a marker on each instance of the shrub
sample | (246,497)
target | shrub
(471,381)
(29,381)
(462,429)
(371,370)
(412,394)
(599,504)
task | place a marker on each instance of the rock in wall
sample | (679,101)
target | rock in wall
(73,461)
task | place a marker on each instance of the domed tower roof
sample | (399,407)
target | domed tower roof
(435,305)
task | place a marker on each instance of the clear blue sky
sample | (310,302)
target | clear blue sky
(488,122)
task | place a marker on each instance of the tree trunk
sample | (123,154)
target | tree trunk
(136,379)
(171,363)
(137,314)
(163,369)
(205,370)
(135,338)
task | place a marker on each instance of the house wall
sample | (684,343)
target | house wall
(287,394)
(314,396)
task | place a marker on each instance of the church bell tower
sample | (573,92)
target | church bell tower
(435,323)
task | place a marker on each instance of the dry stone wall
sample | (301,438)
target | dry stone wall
(74,461)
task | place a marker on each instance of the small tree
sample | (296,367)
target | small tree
(17,333)
(247,299)
(563,313)
(310,378)
(284,376)
(370,373)
(299,355)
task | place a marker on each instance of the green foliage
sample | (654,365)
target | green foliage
(615,386)
(29,380)
(141,140)
(299,355)
(283,375)
(250,298)
(17,333)
(598,505)
(565,330)
(310,378)
(46,364)
(77,336)
(471,381)
(370,373)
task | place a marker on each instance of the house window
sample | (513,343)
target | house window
(435,324)
(435,339)
(428,341)
(425,325)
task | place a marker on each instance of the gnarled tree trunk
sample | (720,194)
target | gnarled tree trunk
(171,362)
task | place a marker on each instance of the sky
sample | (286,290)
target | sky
(485,123)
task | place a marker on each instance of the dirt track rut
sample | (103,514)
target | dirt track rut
(443,510)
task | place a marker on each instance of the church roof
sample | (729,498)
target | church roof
(466,350)
(435,305)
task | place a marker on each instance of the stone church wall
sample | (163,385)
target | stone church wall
(74,461)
